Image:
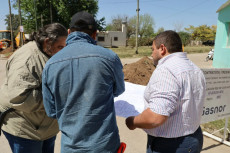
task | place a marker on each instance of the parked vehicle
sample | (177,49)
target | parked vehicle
(5,39)
(210,55)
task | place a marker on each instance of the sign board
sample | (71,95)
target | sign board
(217,101)
(21,29)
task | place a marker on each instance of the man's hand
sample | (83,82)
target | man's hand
(146,120)
(130,122)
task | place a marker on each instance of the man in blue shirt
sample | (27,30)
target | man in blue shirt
(79,86)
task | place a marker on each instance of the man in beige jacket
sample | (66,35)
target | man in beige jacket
(28,129)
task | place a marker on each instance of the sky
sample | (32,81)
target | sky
(165,13)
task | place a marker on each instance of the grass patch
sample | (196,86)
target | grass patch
(216,125)
(8,54)
(130,52)
(197,49)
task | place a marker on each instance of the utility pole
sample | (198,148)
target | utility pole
(51,13)
(137,26)
(20,22)
(11,28)
(35,10)
(41,20)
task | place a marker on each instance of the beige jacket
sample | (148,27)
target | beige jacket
(22,90)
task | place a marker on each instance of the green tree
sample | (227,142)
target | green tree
(161,29)
(60,10)
(116,25)
(131,31)
(146,25)
(67,8)
(185,37)
(101,24)
(202,33)
(190,29)
(15,21)
(146,29)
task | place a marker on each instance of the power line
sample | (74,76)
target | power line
(120,2)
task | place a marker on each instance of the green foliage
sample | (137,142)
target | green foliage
(202,33)
(132,42)
(15,21)
(185,37)
(131,31)
(146,24)
(61,11)
(101,24)
(116,25)
(161,29)
(67,8)
(109,27)
(216,125)
(146,41)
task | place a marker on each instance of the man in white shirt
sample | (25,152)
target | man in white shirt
(173,99)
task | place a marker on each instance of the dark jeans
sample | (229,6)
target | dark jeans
(22,145)
(192,143)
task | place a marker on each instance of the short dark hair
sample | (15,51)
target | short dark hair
(84,22)
(170,39)
(51,31)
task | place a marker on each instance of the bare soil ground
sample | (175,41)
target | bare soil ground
(135,140)
(139,72)
(8,50)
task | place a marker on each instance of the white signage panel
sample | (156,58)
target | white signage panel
(21,29)
(217,101)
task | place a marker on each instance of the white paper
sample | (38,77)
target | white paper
(131,102)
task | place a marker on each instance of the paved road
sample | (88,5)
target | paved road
(135,140)
(2,69)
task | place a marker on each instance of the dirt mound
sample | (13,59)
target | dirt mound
(140,71)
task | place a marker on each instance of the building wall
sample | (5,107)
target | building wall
(222,42)
(112,38)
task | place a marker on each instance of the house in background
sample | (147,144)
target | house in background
(221,57)
(112,38)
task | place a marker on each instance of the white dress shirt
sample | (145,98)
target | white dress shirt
(176,89)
